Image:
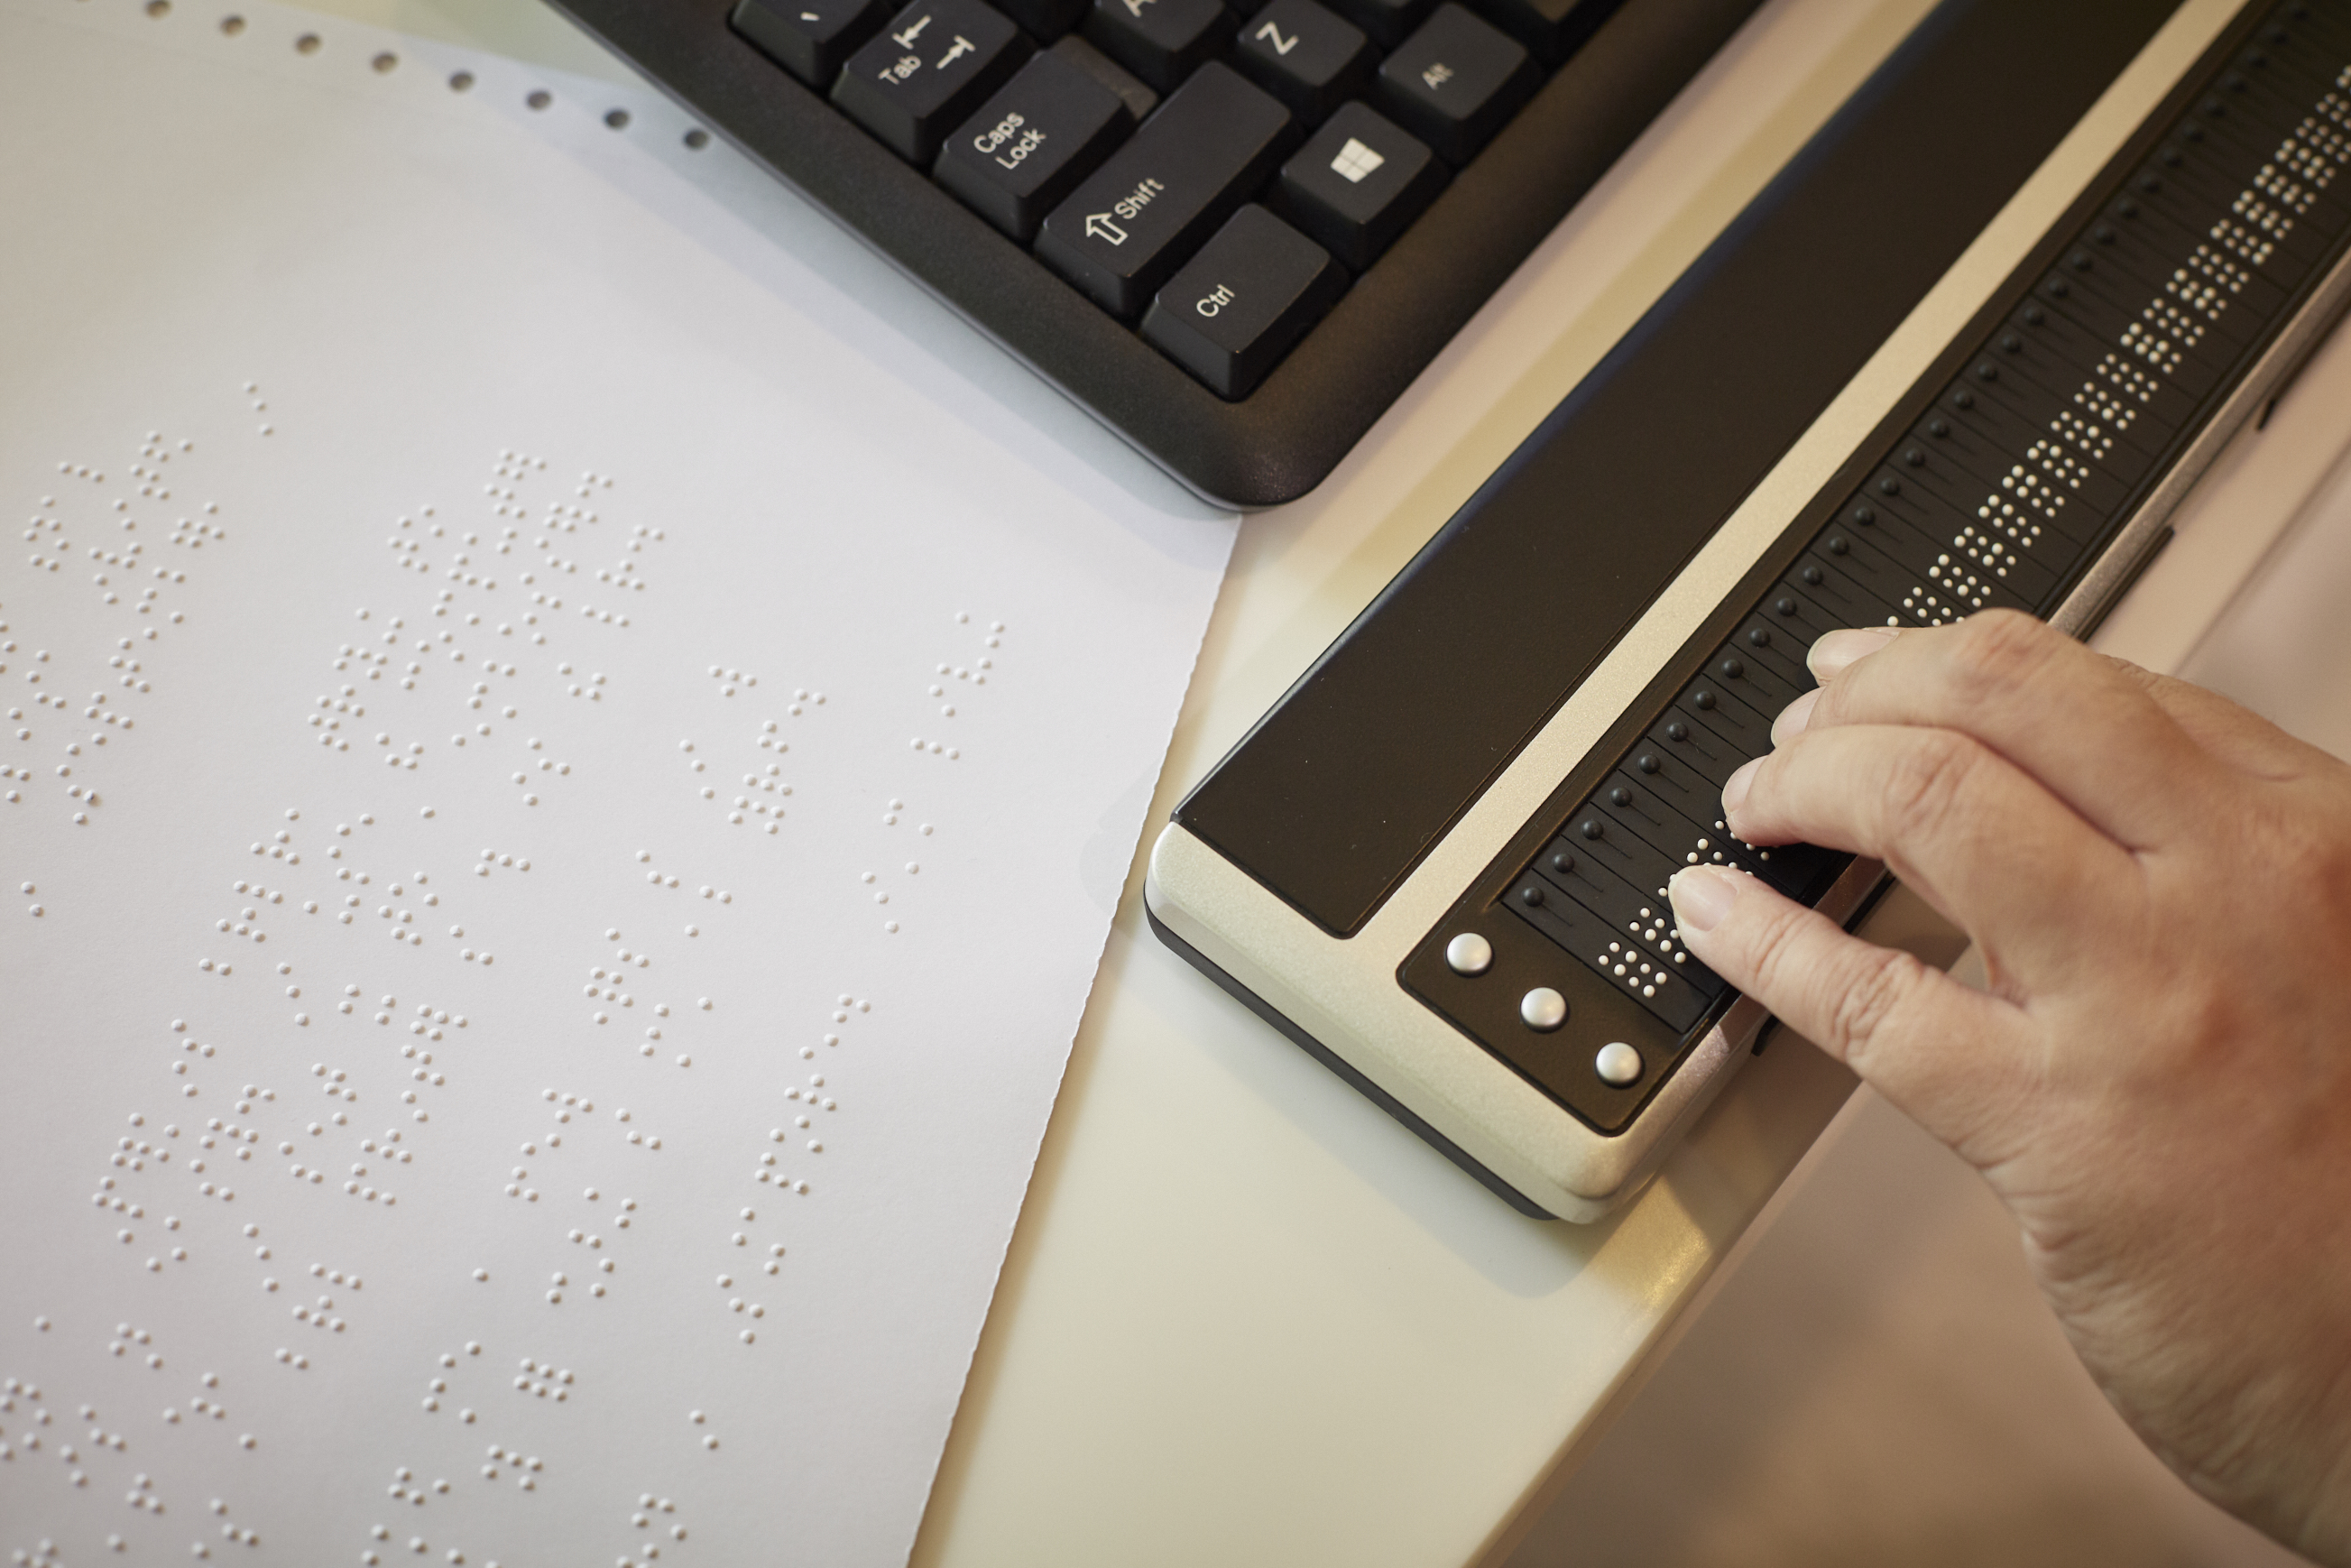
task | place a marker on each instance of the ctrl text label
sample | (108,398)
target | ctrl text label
(1214,302)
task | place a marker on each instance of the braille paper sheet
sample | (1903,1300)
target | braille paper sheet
(570,744)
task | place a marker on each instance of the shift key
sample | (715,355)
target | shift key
(1124,232)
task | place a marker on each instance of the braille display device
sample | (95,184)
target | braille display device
(1967,350)
(1233,235)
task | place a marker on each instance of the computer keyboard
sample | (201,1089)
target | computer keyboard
(1234,236)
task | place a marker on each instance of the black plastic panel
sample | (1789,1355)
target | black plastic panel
(1338,793)
(1282,440)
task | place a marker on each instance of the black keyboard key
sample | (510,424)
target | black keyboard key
(1357,183)
(932,66)
(809,38)
(1553,29)
(1386,21)
(1244,301)
(1305,56)
(1455,81)
(1162,41)
(1128,228)
(1140,100)
(1044,19)
(1030,144)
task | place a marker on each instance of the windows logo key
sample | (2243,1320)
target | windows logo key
(1355,160)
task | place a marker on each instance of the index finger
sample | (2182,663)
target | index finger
(2097,738)
(1955,1060)
(1978,837)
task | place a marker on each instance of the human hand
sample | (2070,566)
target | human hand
(2157,1079)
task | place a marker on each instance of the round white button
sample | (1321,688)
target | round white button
(1618,1065)
(1469,953)
(1543,1009)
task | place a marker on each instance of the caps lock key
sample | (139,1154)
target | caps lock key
(1030,144)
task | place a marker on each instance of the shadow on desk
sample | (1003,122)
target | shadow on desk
(1880,1384)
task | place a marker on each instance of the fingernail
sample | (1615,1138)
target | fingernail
(1702,896)
(1794,717)
(1734,793)
(1841,651)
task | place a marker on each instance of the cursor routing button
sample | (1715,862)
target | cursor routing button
(1125,230)
(1241,304)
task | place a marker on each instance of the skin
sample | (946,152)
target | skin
(2156,1080)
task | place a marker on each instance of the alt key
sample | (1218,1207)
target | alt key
(1231,314)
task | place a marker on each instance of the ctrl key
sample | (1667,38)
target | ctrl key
(1243,302)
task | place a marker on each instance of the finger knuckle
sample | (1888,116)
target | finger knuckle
(2311,852)
(1868,1000)
(1776,960)
(1995,655)
(1926,785)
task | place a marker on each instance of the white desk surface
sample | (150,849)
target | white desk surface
(1246,1318)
